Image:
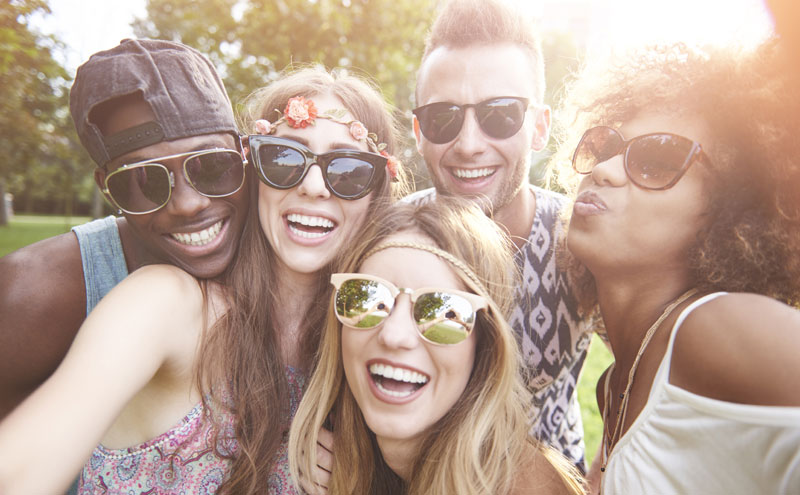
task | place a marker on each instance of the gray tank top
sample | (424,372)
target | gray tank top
(102,256)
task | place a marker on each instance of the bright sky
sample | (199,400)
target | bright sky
(87,26)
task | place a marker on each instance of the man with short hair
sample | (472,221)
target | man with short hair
(156,119)
(480,115)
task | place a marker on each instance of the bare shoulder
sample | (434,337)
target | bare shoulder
(740,348)
(545,471)
(42,305)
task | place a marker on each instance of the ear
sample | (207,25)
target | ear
(100,177)
(417,135)
(541,130)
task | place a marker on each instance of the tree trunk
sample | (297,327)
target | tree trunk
(3,208)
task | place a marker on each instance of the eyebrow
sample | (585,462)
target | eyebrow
(332,146)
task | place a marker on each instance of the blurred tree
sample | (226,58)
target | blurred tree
(38,150)
(251,41)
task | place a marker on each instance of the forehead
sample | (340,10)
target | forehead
(475,73)
(325,134)
(412,268)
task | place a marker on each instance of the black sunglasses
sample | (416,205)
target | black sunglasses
(146,186)
(499,118)
(651,161)
(283,163)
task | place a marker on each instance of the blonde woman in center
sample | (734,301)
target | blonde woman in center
(423,392)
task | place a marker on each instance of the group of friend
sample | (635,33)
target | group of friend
(280,315)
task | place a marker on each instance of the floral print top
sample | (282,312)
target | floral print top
(184,459)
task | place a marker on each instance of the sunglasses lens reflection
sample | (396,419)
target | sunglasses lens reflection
(349,176)
(217,173)
(363,303)
(598,145)
(281,166)
(140,189)
(501,118)
(656,160)
(440,122)
(441,317)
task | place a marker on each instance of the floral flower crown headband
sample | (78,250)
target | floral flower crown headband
(301,112)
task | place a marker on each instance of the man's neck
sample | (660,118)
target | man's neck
(516,218)
(136,255)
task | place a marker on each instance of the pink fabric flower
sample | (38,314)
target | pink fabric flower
(358,131)
(300,113)
(392,164)
(263,127)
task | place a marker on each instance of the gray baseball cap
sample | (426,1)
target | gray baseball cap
(181,86)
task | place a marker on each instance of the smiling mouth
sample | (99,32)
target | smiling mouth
(473,173)
(396,382)
(199,238)
(309,227)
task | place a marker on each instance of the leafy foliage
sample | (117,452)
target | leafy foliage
(39,151)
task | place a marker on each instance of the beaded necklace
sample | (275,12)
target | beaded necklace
(610,439)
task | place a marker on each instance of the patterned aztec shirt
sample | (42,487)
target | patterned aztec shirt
(184,460)
(552,338)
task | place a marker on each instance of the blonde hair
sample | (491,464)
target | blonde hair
(479,445)
(243,350)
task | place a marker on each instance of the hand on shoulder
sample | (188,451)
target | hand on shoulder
(740,348)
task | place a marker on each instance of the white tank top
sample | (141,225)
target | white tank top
(683,443)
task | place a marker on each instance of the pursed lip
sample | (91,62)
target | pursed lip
(589,203)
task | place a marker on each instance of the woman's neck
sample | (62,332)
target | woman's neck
(399,455)
(630,307)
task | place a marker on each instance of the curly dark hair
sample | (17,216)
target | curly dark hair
(750,104)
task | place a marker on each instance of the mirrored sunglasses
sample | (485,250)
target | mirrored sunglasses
(442,316)
(146,186)
(651,161)
(499,118)
(283,164)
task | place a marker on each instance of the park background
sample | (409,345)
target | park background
(49,176)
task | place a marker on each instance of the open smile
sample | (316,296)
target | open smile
(396,382)
(309,226)
(200,237)
(473,173)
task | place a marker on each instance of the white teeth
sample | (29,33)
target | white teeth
(467,173)
(307,235)
(310,221)
(398,374)
(200,238)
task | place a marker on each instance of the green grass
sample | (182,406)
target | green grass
(596,362)
(27,229)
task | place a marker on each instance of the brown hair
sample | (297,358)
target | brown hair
(752,242)
(464,23)
(479,445)
(245,343)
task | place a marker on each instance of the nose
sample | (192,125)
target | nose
(610,172)
(313,184)
(399,331)
(185,200)
(470,140)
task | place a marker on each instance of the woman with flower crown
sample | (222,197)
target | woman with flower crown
(686,223)
(190,386)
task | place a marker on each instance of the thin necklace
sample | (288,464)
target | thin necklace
(610,439)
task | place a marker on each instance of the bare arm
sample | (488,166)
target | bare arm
(42,305)
(740,348)
(137,328)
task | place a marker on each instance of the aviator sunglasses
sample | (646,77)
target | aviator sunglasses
(146,186)
(442,316)
(499,118)
(283,163)
(651,161)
